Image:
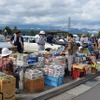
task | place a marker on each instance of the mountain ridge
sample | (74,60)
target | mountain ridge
(50,27)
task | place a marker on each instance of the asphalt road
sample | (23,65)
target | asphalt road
(90,90)
(92,94)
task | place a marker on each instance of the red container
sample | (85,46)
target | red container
(76,73)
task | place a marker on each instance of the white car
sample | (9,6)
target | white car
(5,44)
(30,44)
(76,37)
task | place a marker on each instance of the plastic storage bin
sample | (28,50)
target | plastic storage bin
(53,81)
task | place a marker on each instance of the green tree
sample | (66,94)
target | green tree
(79,34)
(14,29)
(65,34)
(0,31)
(9,31)
(99,34)
(59,34)
(88,35)
(31,33)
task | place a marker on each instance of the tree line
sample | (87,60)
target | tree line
(12,31)
(32,32)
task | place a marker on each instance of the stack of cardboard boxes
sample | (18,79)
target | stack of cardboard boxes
(33,80)
(7,87)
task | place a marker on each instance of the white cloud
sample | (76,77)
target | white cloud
(83,13)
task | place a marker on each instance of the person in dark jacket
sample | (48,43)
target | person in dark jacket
(17,40)
(49,38)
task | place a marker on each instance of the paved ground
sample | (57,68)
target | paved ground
(75,93)
(23,94)
(48,92)
(92,94)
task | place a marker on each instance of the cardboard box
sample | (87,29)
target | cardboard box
(9,98)
(7,87)
(79,66)
(82,67)
(34,84)
(1,96)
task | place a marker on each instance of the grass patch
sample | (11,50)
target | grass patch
(85,50)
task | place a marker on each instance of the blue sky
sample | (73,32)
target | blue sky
(83,13)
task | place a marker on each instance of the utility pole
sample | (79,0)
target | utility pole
(69,21)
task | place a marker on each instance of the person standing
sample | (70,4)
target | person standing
(49,38)
(5,33)
(99,43)
(17,40)
(70,53)
(90,48)
(82,40)
(41,41)
(93,40)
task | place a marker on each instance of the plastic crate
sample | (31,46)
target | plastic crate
(54,81)
(34,84)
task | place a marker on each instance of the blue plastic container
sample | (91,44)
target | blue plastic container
(53,81)
(32,60)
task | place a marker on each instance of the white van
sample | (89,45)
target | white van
(30,44)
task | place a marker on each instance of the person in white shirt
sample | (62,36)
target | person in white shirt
(84,40)
(41,41)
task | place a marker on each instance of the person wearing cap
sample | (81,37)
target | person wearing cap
(7,67)
(41,41)
(17,40)
(93,40)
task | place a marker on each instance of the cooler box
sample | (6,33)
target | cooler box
(53,81)
(7,87)
(33,85)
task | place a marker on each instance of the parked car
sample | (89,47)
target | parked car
(30,44)
(76,37)
(5,44)
(8,38)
